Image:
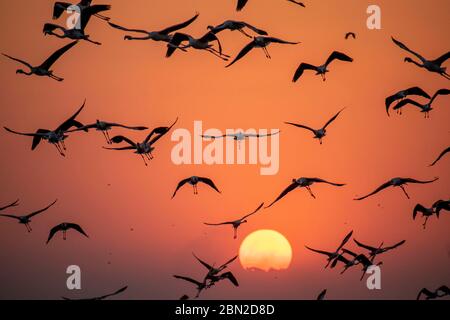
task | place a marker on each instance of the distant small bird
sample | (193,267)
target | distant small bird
(55,137)
(377,251)
(259,42)
(77,32)
(301,4)
(203,43)
(161,35)
(233,25)
(436,208)
(241,4)
(440,292)
(64,227)
(430,65)
(60,7)
(106,296)
(424,108)
(303,183)
(26,219)
(240,136)
(200,285)
(145,148)
(443,153)
(104,127)
(397,182)
(323,69)
(193,181)
(319,133)
(322,295)
(332,255)
(350,34)
(237,223)
(403,94)
(13,204)
(44,68)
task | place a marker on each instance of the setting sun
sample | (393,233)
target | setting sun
(265,250)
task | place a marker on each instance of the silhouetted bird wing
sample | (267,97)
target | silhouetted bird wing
(301,69)
(301,126)
(403,103)
(18,60)
(364,246)
(329,254)
(56,55)
(351,253)
(116,26)
(10,216)
(332,119)
(189,280)
(321,295)
(179,26)
(14,204)
(223,266)
(411,91)
(318,180)
(121,148)
(441,92)
(59,8)
(443,153)
(88,12)
(382,187)
(210,37)
(410,180)
(77,228)
(257,30)
(120,139)
(41,210)
(180,184)
(161,132)
(336,55)
(37,137)
(111,124)
(230,276)
(439,61)
(425,292)
(418,208)
(444,289)
(301,4)
(257,135)
(218,224)
(291,187)
(53,231)
(241,4)
(350,34)
(177,39)
(209,182)
(112,294)
(71,122)
(207,266)
(278,40)
(242,53)
(402,46)
(416,91)
(256,210)
(395,245)
(364,260)
(347,237)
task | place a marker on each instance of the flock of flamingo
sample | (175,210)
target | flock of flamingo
(209,42)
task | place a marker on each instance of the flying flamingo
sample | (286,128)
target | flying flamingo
(332,255)
(55,137)
(424,108)
(233,25)
(193,181)
(376,251)
(26,219)
(321,70)
(64,227)
(236,223)
(416,91)
(303,183)
(397,182)
(213,271)
(203,43)
(44,68)
(436,208)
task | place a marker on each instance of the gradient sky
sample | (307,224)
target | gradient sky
(133,83)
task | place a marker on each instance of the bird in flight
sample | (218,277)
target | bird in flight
(240,26)
(376,251)
(164,35)
(319,133)
(26,219)
(214,274)
(443,153)
(60,7)
(259,42)
(43,69)
(104,127)
(436,208)
(397,182)
(416,91)
(200,285)
(425,108)
(55,137)
(106,296)
(349,35)
(64,227)
(145,148)
(333,255)
(13,204)
(303,183)
(430,65)
(301,4)
(241,4)
(77,32)
(203,43)
(193,181)
(322,295)
(240,136)
(323,69)
(440,292)
(236,223)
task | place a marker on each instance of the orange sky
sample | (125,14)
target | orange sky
(133,83)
